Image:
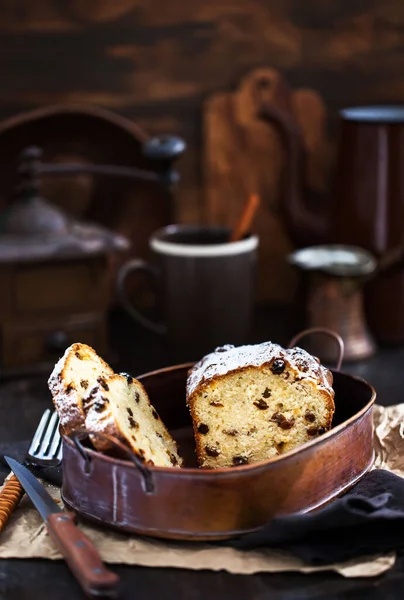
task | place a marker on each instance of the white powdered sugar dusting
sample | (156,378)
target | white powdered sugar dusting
(98,422)
(77,369)
(227,359)
(70,415)
(55,382)
(67,402)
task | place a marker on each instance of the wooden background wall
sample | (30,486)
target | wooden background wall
(157,61)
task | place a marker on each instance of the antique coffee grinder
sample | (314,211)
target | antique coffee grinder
(53,268)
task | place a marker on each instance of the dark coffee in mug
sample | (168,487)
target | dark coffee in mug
(205,287)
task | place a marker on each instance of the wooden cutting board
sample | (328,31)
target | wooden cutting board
(242,154)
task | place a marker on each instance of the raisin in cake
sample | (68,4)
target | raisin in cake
(73,376)
(255,402)
(119,406)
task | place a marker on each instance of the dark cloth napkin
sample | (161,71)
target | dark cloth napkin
(18,450)
(369,519)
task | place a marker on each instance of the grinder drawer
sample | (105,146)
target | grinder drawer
(76,286)
(33,343)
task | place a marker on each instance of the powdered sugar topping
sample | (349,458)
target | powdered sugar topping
(75,371)
(98,422)
(55,382)
(226,359)
(67,401)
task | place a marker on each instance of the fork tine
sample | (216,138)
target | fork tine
(59,455)
(36,440)
(49,434)
(55,442)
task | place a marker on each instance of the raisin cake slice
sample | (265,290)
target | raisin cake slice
(251,403)
(120,407)
(79,369)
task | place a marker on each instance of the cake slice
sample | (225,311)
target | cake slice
(119,406)
(79,369)
(251,403)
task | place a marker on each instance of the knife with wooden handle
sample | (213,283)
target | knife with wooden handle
(77,549)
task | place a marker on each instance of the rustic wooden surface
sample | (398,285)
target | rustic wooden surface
(137,353)
(157,62)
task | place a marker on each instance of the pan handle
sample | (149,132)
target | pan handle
(338,339)
(80,434)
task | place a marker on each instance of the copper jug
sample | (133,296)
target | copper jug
(333,277)
(366,205)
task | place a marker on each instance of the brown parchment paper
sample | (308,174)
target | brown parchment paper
(25,535)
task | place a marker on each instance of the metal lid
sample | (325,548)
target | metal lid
(334,259)
(374,114)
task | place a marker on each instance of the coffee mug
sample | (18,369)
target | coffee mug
(204,283)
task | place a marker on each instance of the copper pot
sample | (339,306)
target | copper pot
(197,504)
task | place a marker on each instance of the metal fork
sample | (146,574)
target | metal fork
(45,451)
(46,446)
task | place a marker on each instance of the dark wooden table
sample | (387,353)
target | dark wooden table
(21,404)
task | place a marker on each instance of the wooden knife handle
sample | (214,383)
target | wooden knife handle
(10,497)
(81,556)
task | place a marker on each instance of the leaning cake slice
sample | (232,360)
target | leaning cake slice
(255,402)
(119,406)
(79,369)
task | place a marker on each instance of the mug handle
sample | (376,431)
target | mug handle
(127,268)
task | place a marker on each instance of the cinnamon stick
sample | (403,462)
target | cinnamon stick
(245,221)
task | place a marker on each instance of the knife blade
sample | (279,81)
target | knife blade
(77,549)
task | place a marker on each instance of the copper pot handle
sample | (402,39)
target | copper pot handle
(338,339)
(80,434)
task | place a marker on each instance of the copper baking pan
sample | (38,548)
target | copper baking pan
(198,504)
